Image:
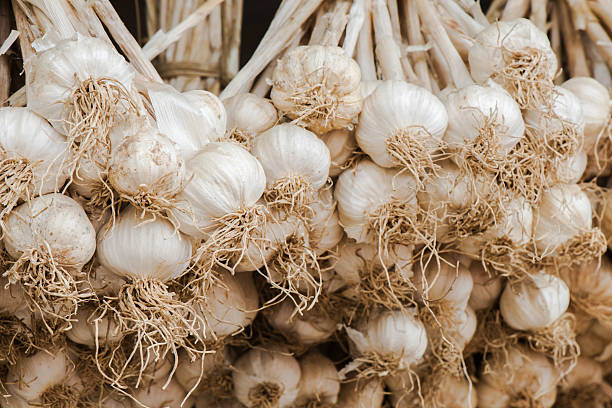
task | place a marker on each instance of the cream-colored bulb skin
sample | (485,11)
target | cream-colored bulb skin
(342,146)
(368,393)
(534,303)
(318,87)
(143,248)
(320,381)
(398,112)
(248,115)
(35,374)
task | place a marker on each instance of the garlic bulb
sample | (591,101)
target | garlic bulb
(342,145)
(161,395)
(51,238)
(191,119)
(402,125)
(319,383)
(564,212)
(568,170)
(462,332)
(105,282)
(248,115)
(354,258)
(266,378)
(517,55)
(484,123)
(311,327)
(32,154)
(440,390)
(224,180)
(324,230)
(195,373)
(147,170)
(91,330)
(296,163)
(362,394)
(317,86)
(595,101)
(367,87)
(373,200)
(486,288)
(534,303)
(228,306)
(586,372)
(444,282)
(489,396)
(395,336)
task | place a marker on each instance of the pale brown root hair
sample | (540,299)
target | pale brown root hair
(95,106)
(15,337)
(265,395)
(601,159)
(240,137)
(294,272)
(564,143)
(492,336)
(475,218)
(292,194)
(501,257)
(387,289)
(219,384)
(49,286)
(409,148)
(558,341)
(16,176)
(525,76)
(227,245)
(582,248)
(59,396)
(590,294)
(374,364)
(160,323)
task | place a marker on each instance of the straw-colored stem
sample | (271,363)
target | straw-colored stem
(152,17)
(603,10)
(415,37)
(600,69)
(576,59)
(475,10)
(467,23)
(580,13)
(333,24)
(125,40)
(431,21)
(394,18)
(387,51)
(594,30)
(442,69)
(515,9)
(231,62)
(86,14)
(555,38)
(5,72)
(355,23)
(365,48)
(495,10)
(539,13)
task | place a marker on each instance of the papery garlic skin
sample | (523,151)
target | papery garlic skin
(534,303)
(568,170)
(319,381)
(58,71)
(105,282)
(317,86)
(325,231)
(160,395)
(287,151)
(312,327)
(486,290)
(395,334)
(483,112)
(92,330)
(399,110)
(564,211)
(447,283)
(368,87)
(248,115)
(362,394)
(52,222)
(354,258)
(442,391)
(191,119)
(189,373)
(223,178)
(229,306)
(143,248)
(363,190)
(488,56)
(489,396)
(595,101)
(35,374)
(272,369)
(587,371)
(148,164)
(26,136)
(462,332)
(342,145)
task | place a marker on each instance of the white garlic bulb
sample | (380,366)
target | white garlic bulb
(223,178)
(486,288)
(191,119)
(319,383)
(362,394)
(342,145)
(147,169)
(483,120)
(266,378)
(248,115)
(58,73)
(595,101)
(564,211)
(354,258)
(397,335)
(518,55)
(160,395)
(317,86)
(568,170)
(91,330)
(190,373)
(402,125)
(451,284)
(535,302)
(369,192)
(464,328)
(586,372)
(32,155)
(33,375)
(143,248)
(296,163)
(438,390)
(311,327)
(325,231)
(105,282)
(367,87)
(228,306)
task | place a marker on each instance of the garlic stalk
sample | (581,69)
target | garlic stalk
(248,115)
(51,239)
(31,157)
(266,378)
(296,163)
(318,87)
(319,383)
(402,125)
